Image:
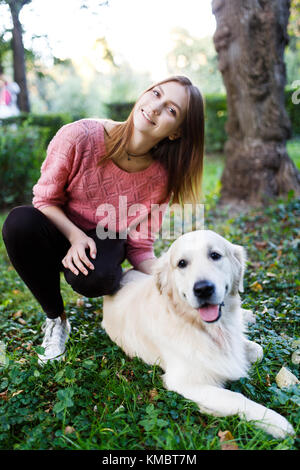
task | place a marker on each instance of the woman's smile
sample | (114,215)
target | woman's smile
(147,117)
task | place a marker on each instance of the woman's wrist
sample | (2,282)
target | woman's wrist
(146,265)
(76,235)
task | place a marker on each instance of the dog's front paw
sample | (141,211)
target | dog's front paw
(276,425)
(254,351)
(248,316)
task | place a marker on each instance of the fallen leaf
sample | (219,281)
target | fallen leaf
(120,408)
(121,376)
(296,357)
(17,393)
(69,429)
(256,286)
(3,395)
(97,312)
(22,321)
(153,394)
(227,441)
(296,343)
(260,245)
(18,314)
(16,291)
(268,382)
(79,302)
(285,378)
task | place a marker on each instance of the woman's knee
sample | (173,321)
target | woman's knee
(94,284)
(20,222)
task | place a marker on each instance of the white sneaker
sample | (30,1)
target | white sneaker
(57,332)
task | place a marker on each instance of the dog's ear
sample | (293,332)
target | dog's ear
(239,265)
(161,271)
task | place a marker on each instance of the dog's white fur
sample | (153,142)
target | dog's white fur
(156,319)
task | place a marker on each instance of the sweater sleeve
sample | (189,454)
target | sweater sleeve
(56,168)
(140,241)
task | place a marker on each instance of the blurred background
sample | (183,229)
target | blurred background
(81,54)
(92,58)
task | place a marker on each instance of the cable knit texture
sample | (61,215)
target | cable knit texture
(72,179)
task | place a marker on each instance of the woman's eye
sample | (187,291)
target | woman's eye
(215,256)
(156,93)
(182,263)
(172,111)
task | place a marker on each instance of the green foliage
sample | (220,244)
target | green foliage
(119,111)
(293,110)
(100,399)
(197,59)
(215,119)
(23,143)
(50,122)
(22,151)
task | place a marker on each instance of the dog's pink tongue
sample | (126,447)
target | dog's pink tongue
(209,313)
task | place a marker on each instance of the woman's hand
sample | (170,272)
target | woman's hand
(76,258)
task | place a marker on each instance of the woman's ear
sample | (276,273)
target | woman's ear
(175,135)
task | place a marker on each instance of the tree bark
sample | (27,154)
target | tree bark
(19,54)
(250,39)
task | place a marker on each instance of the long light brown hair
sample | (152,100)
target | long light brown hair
(182,157)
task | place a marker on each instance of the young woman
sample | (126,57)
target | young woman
(91,165)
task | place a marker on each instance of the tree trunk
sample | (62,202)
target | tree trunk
(19,54)
(250,39)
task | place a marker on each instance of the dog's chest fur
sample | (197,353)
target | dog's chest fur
(215,353)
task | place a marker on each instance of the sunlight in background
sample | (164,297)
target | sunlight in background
(137,31)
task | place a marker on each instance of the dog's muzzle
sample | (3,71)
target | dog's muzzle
(209,311)
(203,290)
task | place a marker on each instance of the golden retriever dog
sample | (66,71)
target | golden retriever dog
(187,318)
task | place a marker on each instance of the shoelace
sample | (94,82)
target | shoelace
(49,339)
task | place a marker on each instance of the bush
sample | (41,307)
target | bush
(119,111)
(23,144)
(215,119)
(51,122)
(22,151)
(293,111)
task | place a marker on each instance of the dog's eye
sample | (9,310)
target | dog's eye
(182,263)
(215,256)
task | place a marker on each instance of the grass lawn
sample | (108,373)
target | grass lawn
(99,399)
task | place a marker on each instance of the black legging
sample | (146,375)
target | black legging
(36,249)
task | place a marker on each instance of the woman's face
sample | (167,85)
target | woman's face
(160,111)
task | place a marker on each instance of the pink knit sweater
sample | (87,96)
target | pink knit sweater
(72,179)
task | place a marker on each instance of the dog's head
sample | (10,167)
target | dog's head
(199,271)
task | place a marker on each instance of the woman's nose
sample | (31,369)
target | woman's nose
(156,107)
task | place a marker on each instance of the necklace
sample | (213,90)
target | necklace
(134,155)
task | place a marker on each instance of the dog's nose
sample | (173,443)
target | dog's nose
(204,289)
